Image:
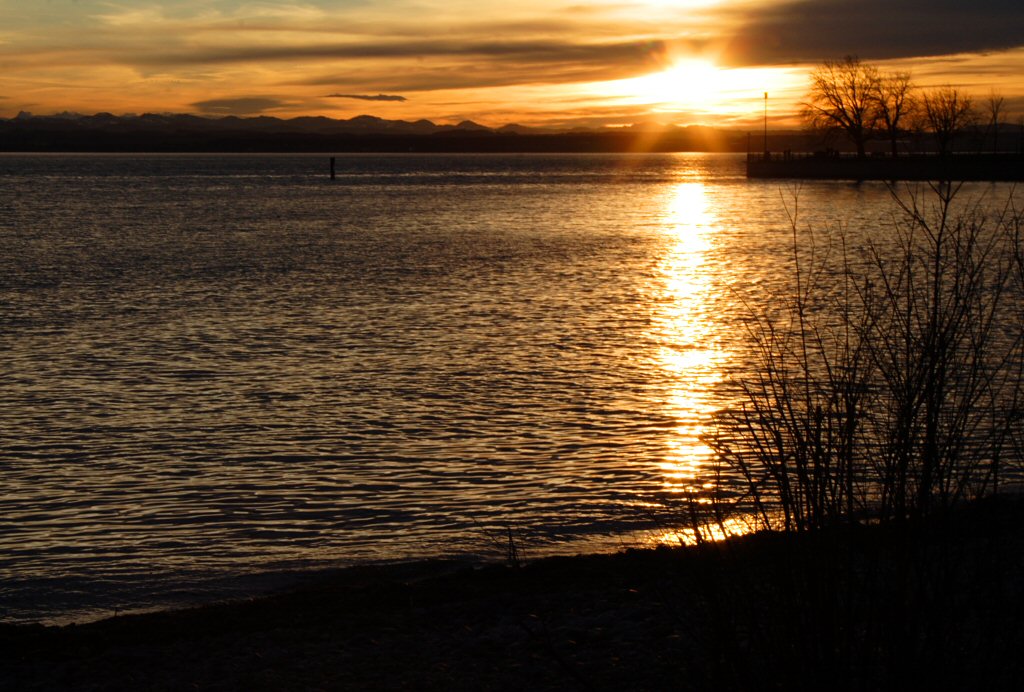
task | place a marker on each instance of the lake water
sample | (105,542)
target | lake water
(220,367)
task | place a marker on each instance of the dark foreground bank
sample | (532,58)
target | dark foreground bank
(938,605)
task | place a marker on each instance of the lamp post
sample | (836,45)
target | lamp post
(766,125)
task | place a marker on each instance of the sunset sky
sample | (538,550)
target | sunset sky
(533,62)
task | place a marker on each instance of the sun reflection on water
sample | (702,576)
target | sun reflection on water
(689,352)
(709,531)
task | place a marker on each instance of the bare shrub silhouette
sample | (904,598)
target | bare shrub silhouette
(887,392)
(888,383)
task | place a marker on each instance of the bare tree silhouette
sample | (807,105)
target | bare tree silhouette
(843,97)
(994,104)
(946,111)
(894,102)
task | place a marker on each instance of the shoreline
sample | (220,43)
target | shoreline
(717,616)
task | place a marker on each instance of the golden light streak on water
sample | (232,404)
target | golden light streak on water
(710,530)
(689,352)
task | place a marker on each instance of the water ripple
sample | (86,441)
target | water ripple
(221,365)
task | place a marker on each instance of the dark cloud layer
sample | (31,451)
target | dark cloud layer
(535,52)
(468,76)
(239,106)
(812,30)
(368,97)
(440,64)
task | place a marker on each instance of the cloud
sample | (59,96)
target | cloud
(232,57)
(527,51)
(470,75)
(368,97)
(248,105)
(813,30)
(450,63)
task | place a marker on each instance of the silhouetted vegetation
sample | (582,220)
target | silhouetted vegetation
(946,112)
(874,441)
(864,103)
(889,383)
(845,95)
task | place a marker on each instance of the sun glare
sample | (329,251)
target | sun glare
(691,84)
(694,84)
(698,87)
(683,4)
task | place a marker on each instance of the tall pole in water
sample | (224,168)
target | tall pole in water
(766,125)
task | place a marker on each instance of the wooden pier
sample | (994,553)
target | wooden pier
(836,166)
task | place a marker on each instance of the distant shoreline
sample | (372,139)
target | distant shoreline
(185,133)
(77,142)
(104,132)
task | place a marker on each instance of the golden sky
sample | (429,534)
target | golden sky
(533,62)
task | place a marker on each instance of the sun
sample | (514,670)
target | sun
(693,84)
(700,91)
(688,84)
